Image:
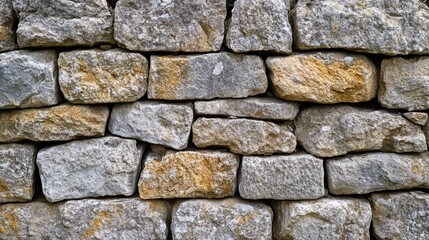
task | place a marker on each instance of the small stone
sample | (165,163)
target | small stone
(229,218)
(7,23)
(243,136)
(418,118)
(206,76)
(324,77)
(96,76)
(288,177)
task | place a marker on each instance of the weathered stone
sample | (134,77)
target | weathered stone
(17,167)
(59,123)
(328,131)
(63,23)
(171,26)
(326,218)
(226,219)
(7,22)
(386,27)
(96,76)
(243,136)
(189,174)
(167,124)
(207,76)
(28,79)
(323,77)
(418,118)
(288,177)
(260,25)
(370,172)
(254,107)
(400,215)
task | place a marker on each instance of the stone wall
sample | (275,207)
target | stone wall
(210,119)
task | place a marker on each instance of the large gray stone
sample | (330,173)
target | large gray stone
(7,22)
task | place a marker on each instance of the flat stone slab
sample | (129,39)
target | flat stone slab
(7,23)
(419,118)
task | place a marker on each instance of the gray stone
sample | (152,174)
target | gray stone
(418,118)
(105,166)
(167,124)
(328,131)
(243,136)
(289,177)
(171,26)
(7,22)
(325,218)
(260,25)
(206,76)
(63,23)
(386,27)
(370,172)
(28,79)
(229,218)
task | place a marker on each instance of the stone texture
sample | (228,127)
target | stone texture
(243,136)
(253,107)
(328,131)
(288,177)
(167,124)
(17,167)
(386,27)
(171,26)
(260,25)
(326,218)
(63,23)
(59,123)
(400,215)
(418,118)
(7,22)
(370,172)
(206,76)
(323,77)
(221,219)
(96,76)
(189,174)
(28,79)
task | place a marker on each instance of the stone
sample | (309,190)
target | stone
(170,26)
(59,123)
(418,118)
(260,25)
(167,124)
(323,77)
(288,177)
(371,172)
(243,136)
(189,174)
(328,131)
(96,76)
(229,218)
(373,26)
(325,218)
(253,107)
(17,168)
(7,23)
(400,215)
(63,23)
(206,76)
(28,79)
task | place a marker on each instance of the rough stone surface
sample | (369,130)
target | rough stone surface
(326,218)
(323,77)
(60,123)
(206,76)
(221,219)
(171,26)
(386,27)
(63,23)
(400,215)
(243,136)
(17,167)
(253,107)
(288,177)
(28,79)
(328,131)
(7,22)
(96,76)
(260,25)
(370,172)
(167,124)
(418,118)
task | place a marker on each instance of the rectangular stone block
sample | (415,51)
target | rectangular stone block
(7,23)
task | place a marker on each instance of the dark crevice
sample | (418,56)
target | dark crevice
(112,3)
